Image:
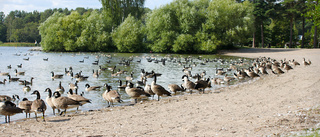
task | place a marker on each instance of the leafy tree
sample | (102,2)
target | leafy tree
(314,14)
(128,36)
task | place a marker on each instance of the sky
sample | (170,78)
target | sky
(40,5)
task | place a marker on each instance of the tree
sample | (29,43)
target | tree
(314,14)
(128,36)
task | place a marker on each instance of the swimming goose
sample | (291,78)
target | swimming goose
(26,59)
(49,100)
(111,96)
(19,73)
(38,105)
(4,73)
(174,88)
(22,82)
(53,76)
(220,71)
(122,87)
(45,59)
(217,81)
(73,86)
(12,79)
(158,89)
(130,78)
(93,88)
(60,88)
(64,102)
(3,82)
(26,88)
(19,66)
(188,84)
(95,74)
(7,108)
(77,97)
(227,79)
(25,104)
(135,93)
(9,67)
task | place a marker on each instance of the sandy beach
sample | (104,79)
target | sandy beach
(268,106)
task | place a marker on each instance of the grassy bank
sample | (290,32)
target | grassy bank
(17,44)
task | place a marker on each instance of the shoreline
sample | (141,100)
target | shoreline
(271,105)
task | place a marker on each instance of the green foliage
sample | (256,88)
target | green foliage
(128,36)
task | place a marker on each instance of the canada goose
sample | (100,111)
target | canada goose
(158,89)
(73,86)
(112,68)
(25,104)
(174,88)
(220,71)
(64,102)
(81,61)
(227,79)
(45,59)
(202,84)
(147,89)
(77,97)
(8,98)
(135,93)
(93,88)
(252,74)
(122,87)
(188,84)
(38,105)
(81,78)
(102,69)
(8,109)
(60,88)
(4,73)
(12,79)
(56,76)
(26,59)
(26,88)
(49,100)
(217,81)
(3,82)
(22,82)
(9,67)
(95,74)
(305,63)
(287,67)
(19,65)
(111,96)
(130,78)
(277,70)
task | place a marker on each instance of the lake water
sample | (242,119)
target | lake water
(57,62)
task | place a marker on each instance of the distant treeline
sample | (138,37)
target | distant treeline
(183,26)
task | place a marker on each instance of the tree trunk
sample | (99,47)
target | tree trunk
(303,23)
(291,22)
(254,40)
(262,38)
(315,40)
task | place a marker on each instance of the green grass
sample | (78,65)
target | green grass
(17,44)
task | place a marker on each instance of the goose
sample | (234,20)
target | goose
(227,79)
(202,84)
(60,88)
(147,89)
(217,81)
(158,89)
(25,104)
(64,102)
(188,84)
(4,73)
(45,59)
(3,82)
(8,98)
(252,74)
(305,63)
(95,74)
(73,86)
(12,79)
(19,65)
(7,108)
(220,71)
(93,88)
(174,88)
(135,93)
(111,96)
(287,67)
(9,67)
(82,78)
(130,78)
(122,87)
(53,76)
(22,82)
(277,70)
(112,68)
(49,100)
(81,61)
(38,105)
(26,88)
(26,59)
(77,97)
(102,69)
